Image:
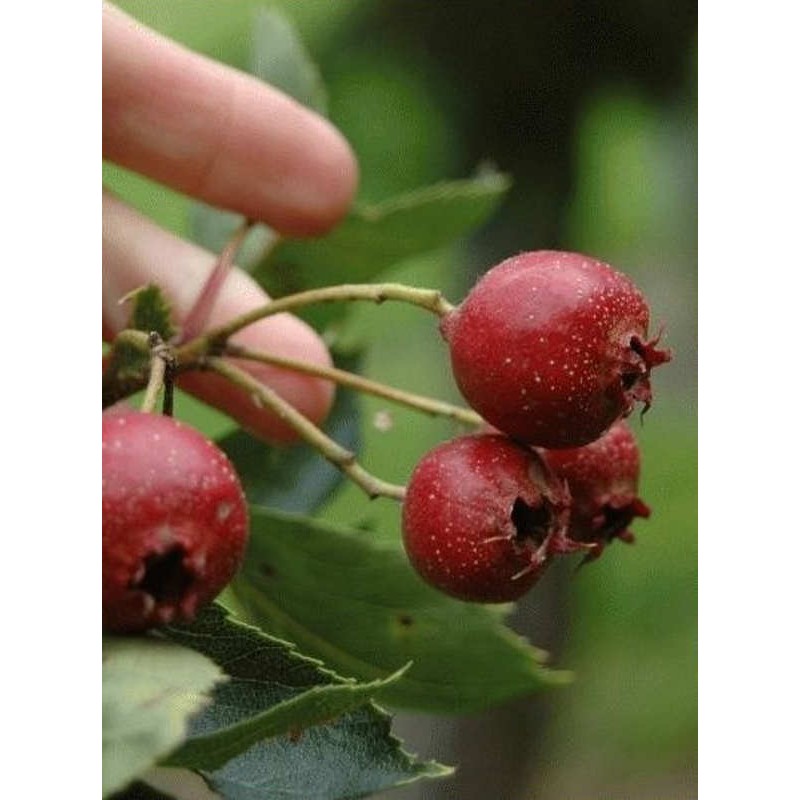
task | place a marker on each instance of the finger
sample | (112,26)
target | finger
(219,134)
(137,252)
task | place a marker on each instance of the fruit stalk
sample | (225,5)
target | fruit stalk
(339,456)
(429,299)
(191,353)
(351,380)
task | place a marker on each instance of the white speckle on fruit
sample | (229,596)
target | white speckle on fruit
(224,511)
(198,563)
(165,535)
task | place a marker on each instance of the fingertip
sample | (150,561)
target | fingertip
(312,397)
(221,135)
(137,252)
(322,185)
(293,339)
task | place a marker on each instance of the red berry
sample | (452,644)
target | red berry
(175,521)
(482,518)
(603,479)
(551,348)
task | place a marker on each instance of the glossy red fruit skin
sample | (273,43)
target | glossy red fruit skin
(551,348)
(603,479)
(175,521)
(483,517)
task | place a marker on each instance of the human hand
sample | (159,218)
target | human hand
(224,137)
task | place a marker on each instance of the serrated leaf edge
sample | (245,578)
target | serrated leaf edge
(219,747)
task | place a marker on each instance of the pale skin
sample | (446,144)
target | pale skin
(223,137)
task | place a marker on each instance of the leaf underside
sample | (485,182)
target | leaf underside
(150,690)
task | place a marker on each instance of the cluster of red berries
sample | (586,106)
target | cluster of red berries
(552,350)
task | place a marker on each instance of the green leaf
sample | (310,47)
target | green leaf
(373,238)
(353,601)
(281,711)
(280,58)
(297,477)
(318,705)
(150,689)
(150,311)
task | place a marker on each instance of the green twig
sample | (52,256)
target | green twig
(429,299)
(331,450)
(351,380)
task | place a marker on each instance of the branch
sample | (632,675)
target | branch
(162,368)
(429,299)
(306,430)
(427,405)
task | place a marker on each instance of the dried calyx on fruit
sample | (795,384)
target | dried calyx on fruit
(552,348)
(603,479)
(483,517)
(175,521)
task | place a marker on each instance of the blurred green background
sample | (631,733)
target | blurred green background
(591,108)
